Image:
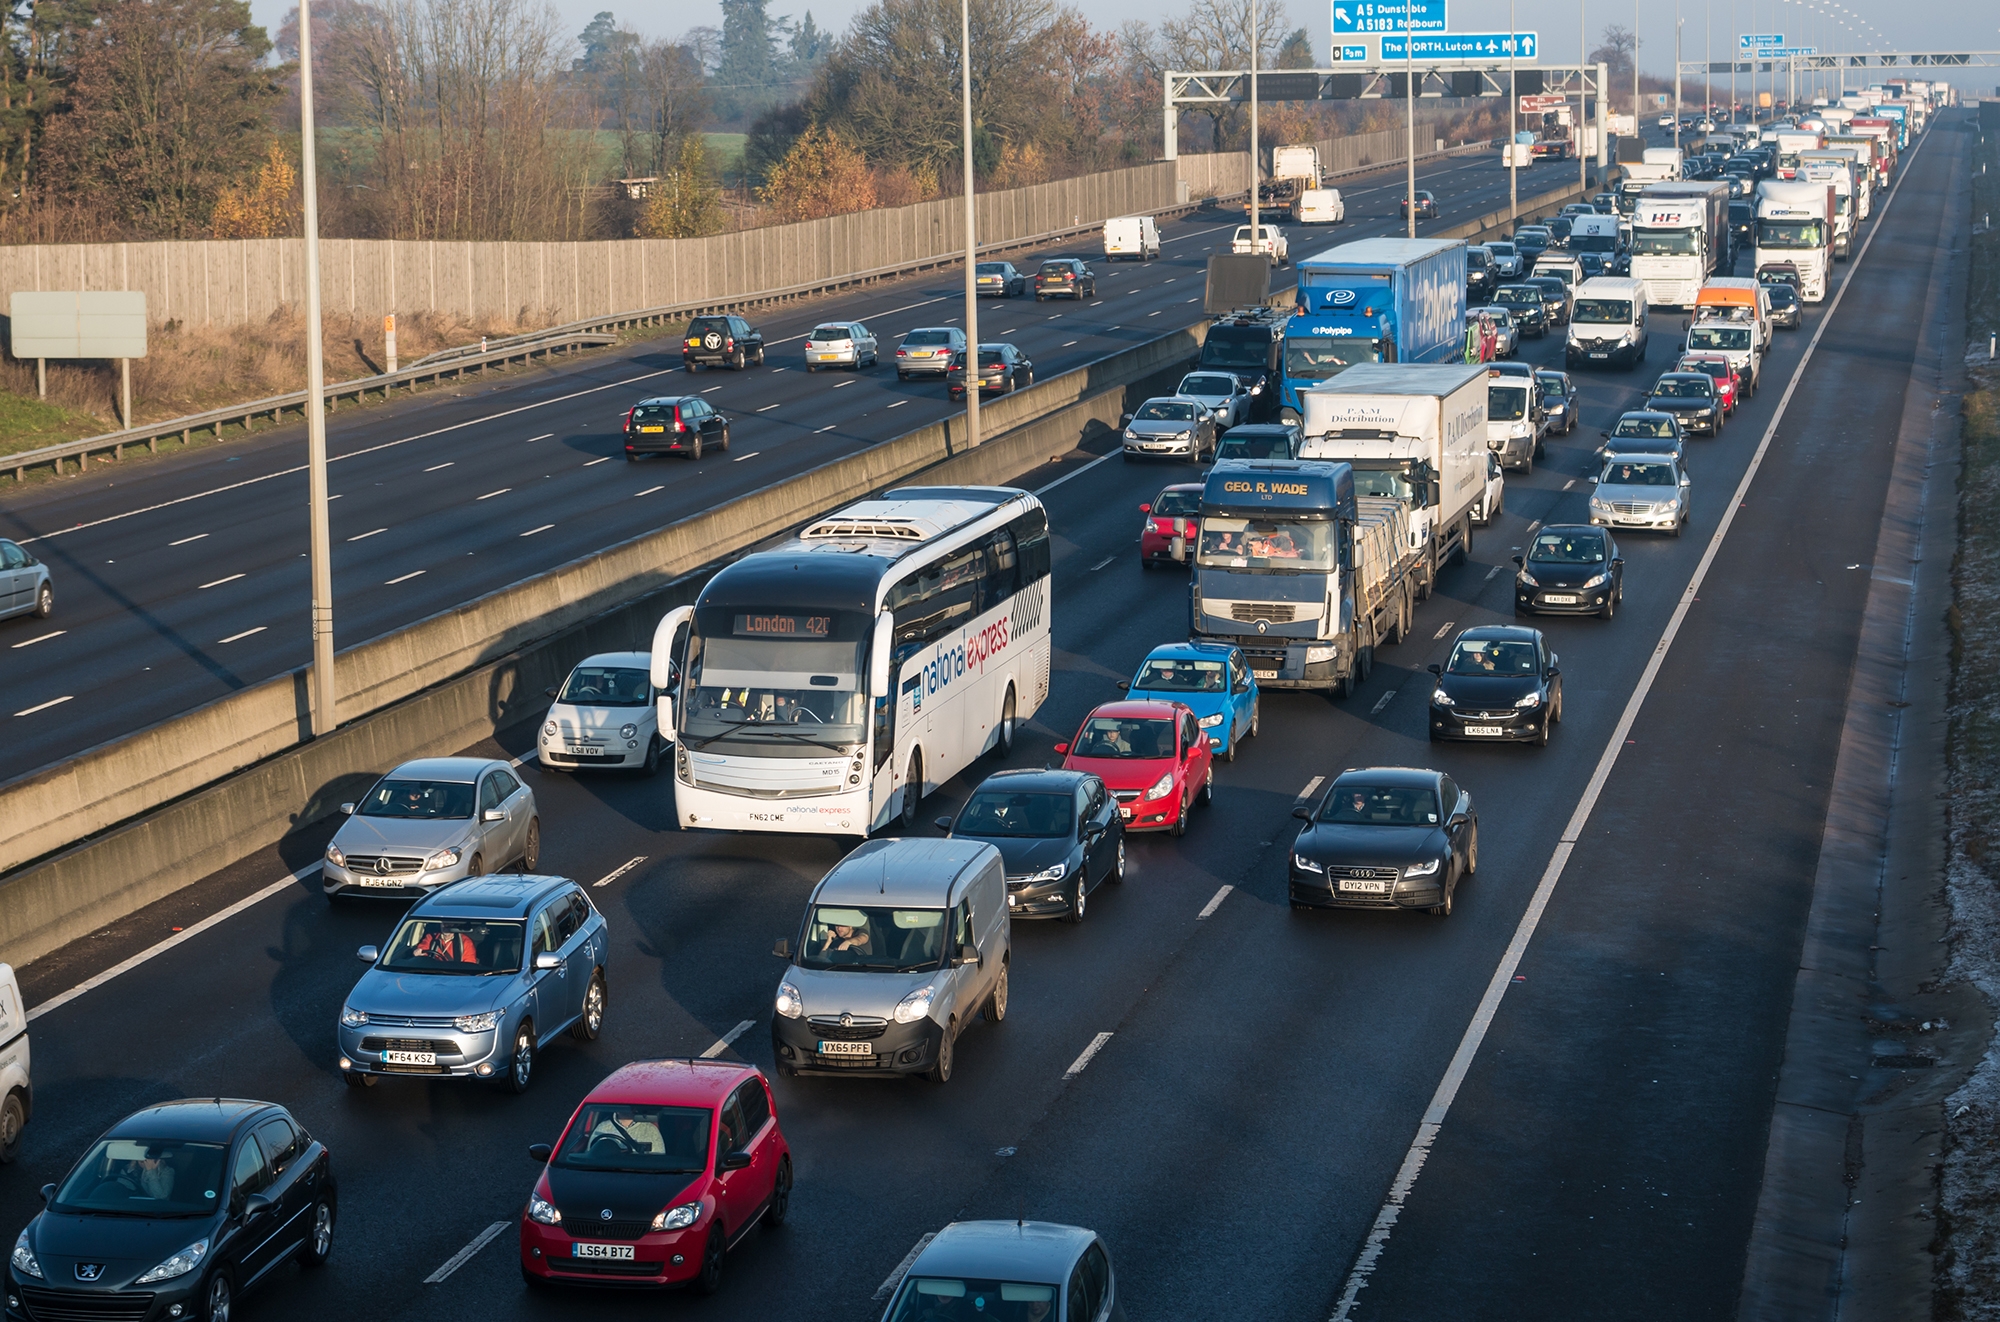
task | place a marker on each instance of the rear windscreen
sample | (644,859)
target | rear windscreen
(928,337)
(653,413)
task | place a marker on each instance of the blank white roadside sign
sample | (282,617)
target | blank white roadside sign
(75,324)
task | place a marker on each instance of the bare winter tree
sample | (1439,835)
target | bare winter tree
(1215,34)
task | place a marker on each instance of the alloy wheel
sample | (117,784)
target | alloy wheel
(218,1298)
(1079,900)
(322,1235)
(1118,867)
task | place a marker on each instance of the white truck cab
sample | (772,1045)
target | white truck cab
(17,1094)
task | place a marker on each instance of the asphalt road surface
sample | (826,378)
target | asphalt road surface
(179,580)
(1267,1070)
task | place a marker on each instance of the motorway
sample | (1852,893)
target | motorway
(181,579)
(1267,1070)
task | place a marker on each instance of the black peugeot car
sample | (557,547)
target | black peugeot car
(1691,397)
(1385,838)
(173,1214)
(1525,302)
(1059,836)
(1570,569)
(1500,685)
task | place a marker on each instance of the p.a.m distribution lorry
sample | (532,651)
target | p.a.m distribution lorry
(1680,236)
(1373,301)
(1795,224)
(1415,434)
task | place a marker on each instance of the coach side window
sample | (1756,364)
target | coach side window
(1001,580)
(1031,543)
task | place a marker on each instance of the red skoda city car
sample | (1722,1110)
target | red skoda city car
(1151,755)
(664,1166)
(1156,537)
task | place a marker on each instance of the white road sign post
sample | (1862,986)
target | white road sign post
(81,324)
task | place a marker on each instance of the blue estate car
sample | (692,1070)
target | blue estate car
(1211,678)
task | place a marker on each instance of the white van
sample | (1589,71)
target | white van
(1136,237)
(1607,325)
(1321,206)
(17,1094)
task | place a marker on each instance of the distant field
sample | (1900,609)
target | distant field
(725,149)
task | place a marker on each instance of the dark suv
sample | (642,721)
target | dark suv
(1065,275)
(683,424)
(725,341)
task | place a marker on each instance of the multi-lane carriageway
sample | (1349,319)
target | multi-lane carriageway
(181,579)
(1265,1072)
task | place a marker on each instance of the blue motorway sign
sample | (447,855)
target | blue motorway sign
(1758,41)
(1357,16)
(1351,53)
(1463,46)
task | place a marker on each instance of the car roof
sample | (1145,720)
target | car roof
(1569,530)
(1260,429)
(1137,709)
(1192,651)
(1388,776)
(661,399)
(1033,1252)
(1511,633)
(1033,778)
(676,1081)
(1185,486)
(494,895)
(632,660)
(912,872)
(462,769)
(198,1119)
(1651,415)
(1681,376)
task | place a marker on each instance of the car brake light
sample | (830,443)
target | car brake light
(729,343)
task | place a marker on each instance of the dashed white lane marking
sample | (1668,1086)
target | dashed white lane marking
(899,403)
(648,491)
(532,531)
(767,408)
(595,462)
(711,390)
(40,638)
(364,536)
(390,583)
(1215,903)
(245,634)
(1534,527)
(848,382)
(1312,786)
(741,457)
(829,427)
(549,435)
(619,871)
(1066,344)
(1567,485)
(1492,573)
(44,706)
(185,540)
(459,1259)
(491,494)
(722,1043)
(903,1267)
(220,581)
(1194,300)
(1443,629)
(1101,563)
(435,468)
(1078,473)
(1082,1062)
(1155,312)
(1382,702)
(1099,302)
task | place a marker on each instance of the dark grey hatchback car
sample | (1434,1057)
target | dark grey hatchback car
(1059,834)
(174,1213)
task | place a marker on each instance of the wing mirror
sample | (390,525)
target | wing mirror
(782,948)
(546,960)
(550,690)
(1124,419)
(1182,531)
(1124,686)
(1518,561)
(1146,509)
(735,1161)
(48,1193)
(943,824)
(1617,559)
(664,716)
(493,815)
(1302,811)
(968,955)
(540,1153)
(1063,749)
(1436,670)
(256,1205)
(347,810)
(368,954)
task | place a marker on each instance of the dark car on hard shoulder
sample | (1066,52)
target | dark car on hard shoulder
(1385,838)
(1059,834)
(721,342)
(674,424)
(1569,569)
(174,1213)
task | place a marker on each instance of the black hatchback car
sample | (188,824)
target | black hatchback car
(1260,440)
(1427,205)
(1058,832)
(728,342)
(1784,305)
(1385,838)
(1065,276)
(174,1213)
(1500,685)
(1525,302)
(674,424)
(1570,569)
(1003,369)
(1691,397)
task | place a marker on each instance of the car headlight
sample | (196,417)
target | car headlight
(1131,435)
(1601,506)
(1304,864)
(1532,700)
(179,1265)
(1424,869)
(477,1023)
(1597,582)
(335,857)
(1520,429)
(1210,722)
(790,1004)
(915,1006)
(1440,698)
(24,1258)
(542,1210)
(444,858)
(678,1218)
(353,1018)
(1527,580)
(1257,389)
(550,729)
(628,730)
(1056,873)
(1161,787)
(1184,435)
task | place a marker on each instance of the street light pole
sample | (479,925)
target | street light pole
(1255,235)
(1409,111)
(1582,104)
(323,692)
(971,238)
(1677,75)
(1513,120)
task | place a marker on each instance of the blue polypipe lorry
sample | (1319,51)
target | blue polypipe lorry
(1373,301)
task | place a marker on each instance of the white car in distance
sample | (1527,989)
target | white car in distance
(1220,393)
(604,716)
(1270,241)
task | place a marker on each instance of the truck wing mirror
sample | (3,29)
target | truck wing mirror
(663,646)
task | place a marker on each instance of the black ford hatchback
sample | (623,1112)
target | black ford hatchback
(175,1212)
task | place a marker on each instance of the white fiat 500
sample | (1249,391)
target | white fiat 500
(604,716)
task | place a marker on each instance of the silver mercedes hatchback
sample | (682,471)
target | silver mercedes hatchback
(429,823)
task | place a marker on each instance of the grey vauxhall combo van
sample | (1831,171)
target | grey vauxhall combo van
(902,944)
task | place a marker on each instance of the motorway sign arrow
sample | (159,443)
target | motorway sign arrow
(1354,17)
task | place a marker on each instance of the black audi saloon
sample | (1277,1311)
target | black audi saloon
(1385,838)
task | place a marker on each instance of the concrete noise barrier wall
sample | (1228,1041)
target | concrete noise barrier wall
(163,808)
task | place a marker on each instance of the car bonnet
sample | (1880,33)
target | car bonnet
(414,833)
(432,995)
(1341,842)
(848,991)
(1122,773)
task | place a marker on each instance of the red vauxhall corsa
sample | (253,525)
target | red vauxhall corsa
(1152,757)
(1156,538)
(663,1167)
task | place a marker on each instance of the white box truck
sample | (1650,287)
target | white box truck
(1680,235)
(1414,432)
(1136,237)
(1795,224)
(1836,168)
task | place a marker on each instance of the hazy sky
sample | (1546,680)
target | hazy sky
(1954,24)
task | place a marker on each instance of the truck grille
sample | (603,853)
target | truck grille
(861,1030)
(1248,612)
(84,1306)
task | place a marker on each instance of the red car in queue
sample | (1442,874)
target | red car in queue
(664,1166)
(1156,538)
(1153,758)
(1728,382)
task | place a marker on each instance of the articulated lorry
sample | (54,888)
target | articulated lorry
(1862,149)
(1680,237)
(1415,434)
(1790,143)
(1373,301)
(1883,131)
(1301,574)
(1838,169)
(1795,224)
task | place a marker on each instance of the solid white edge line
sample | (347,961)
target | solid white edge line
(1082,1062)
(722,1043)
(160,948)
(458,1259)
(44,706)
(902,1268)
(1215,903)
(1503,973)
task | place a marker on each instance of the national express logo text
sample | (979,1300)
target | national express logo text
(951,661)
